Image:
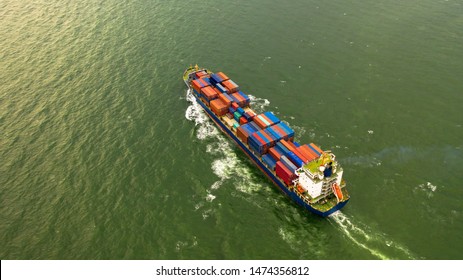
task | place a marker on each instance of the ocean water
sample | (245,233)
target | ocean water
(103,154)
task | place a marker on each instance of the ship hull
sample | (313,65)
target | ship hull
(292,195)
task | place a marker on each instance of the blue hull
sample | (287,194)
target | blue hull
(264,168)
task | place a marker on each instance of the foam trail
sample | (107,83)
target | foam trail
(364,239)
(227,165)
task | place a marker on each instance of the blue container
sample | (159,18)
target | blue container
(313,149)
(274,138)
(207,80)
(279,150)
(255,145)
(272,117)
(265,138)
(248,100)
(287,129)
(234,99)
(222,89)
(296,144)
(282,148)
(256,127)
(274,133)
(295,159)
(288,164)
(215,79)
(269,161)
(240,110)
(231,110)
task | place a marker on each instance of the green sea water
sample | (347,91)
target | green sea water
(102,156)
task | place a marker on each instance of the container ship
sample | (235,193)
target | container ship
(310,176)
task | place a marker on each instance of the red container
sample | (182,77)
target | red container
(243,120)
(235,105)
(219,107)
(274,153)
(284,173)
(222,75)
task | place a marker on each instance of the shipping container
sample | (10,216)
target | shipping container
(309,151)
(230,85)
(284,173)
(296,144)
(218,107)
(236,116)
(235,105)
(244,131)
(198,84)
(215,79)
(287,145)
(256,127)
(223,76)
(199,74)
(287,129)
(225,99)
(316,148)
(273,151)
(221,88)
(246,98)
(291,167)
(309,156)
(272,117)
(243,120)
(209,93)
(282,148)
(269,161)
(231,110)
(240,110)
(298,162)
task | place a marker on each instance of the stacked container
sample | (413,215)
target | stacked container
(284,173)
(266,119)
(208,93)
(230,86)
(260,142)
(225,99)
(198,84)
(221,88)
(244,131)
(216,79)
(219,107)
(269,161)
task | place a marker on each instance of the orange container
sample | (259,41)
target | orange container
(230,85)
(219,107)
(316,148)
(274,153)
(309,151)
(287,145)
(222,75)
(209,93)
(225,100)
(306,154)
(243,120)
